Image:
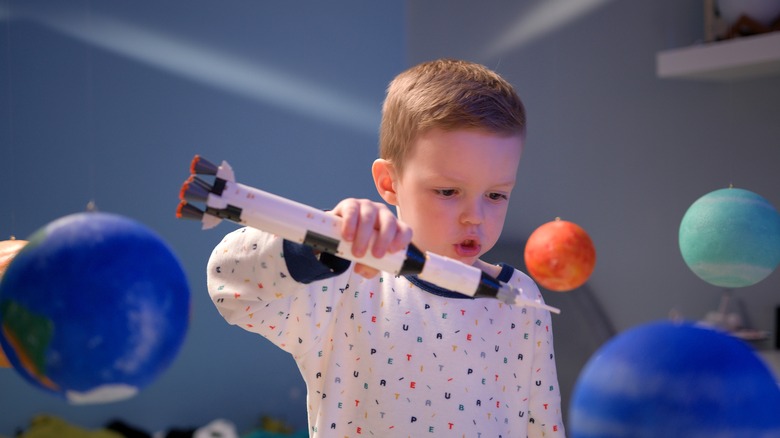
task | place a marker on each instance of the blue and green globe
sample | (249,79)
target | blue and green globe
(675,379)
(731,238)
(93,308)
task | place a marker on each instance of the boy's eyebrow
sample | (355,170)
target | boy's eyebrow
(507,186)
(456,181)
(511,182)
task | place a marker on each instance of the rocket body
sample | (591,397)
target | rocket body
(296,222)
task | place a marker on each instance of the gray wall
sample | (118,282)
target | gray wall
(109,100)
(616,149)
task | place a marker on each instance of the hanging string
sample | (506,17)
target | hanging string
(90,114)
(731,126)
(10,168)
(555,137)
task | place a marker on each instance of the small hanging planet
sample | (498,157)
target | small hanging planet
(731,238)
(560,255)
(8,250)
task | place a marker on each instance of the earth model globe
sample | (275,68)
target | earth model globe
(675,379)
(560,255)
(731,238)
(93,308)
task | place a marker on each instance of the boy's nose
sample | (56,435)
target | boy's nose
(472,213)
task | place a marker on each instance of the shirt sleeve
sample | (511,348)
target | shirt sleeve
(270,286)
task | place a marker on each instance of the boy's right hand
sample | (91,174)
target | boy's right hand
(371,224)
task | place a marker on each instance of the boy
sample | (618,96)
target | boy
(389,356)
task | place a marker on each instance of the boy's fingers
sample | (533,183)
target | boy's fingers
(403,237)
(371,224)
(365,229)
(387,228)
(348,210)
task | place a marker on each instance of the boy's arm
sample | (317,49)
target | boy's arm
(257,280)
(274,287)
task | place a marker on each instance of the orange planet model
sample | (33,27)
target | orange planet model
(8,250)
(560,255)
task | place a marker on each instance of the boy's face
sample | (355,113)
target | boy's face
(454,191)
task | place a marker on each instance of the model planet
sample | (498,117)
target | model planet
(669,379)
(560,255)
(731,238)
(93,308)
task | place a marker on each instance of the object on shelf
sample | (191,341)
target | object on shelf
(731,318)
(727,19)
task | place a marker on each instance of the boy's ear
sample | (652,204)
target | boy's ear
(384,179)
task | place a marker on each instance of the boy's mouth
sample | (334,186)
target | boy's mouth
(468,248)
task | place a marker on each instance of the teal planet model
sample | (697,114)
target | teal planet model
(93,308)
(731,238)
(675,379)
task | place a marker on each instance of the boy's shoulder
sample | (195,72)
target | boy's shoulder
(525,283)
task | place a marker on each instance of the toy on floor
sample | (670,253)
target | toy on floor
(93,308)
(49,426)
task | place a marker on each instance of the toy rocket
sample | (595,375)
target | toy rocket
(224,198)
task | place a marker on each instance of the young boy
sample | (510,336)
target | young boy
(389,356)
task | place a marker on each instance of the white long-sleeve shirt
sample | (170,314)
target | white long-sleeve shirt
(392,356)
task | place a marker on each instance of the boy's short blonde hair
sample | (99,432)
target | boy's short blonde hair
(448,94)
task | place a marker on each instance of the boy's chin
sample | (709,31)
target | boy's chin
(471,261)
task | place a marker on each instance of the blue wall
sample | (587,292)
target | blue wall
(107,101)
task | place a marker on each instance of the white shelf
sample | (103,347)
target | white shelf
(739,58)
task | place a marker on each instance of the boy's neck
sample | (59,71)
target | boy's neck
(490,269)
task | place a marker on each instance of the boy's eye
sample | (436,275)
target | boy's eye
(446,192)
(497,196)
